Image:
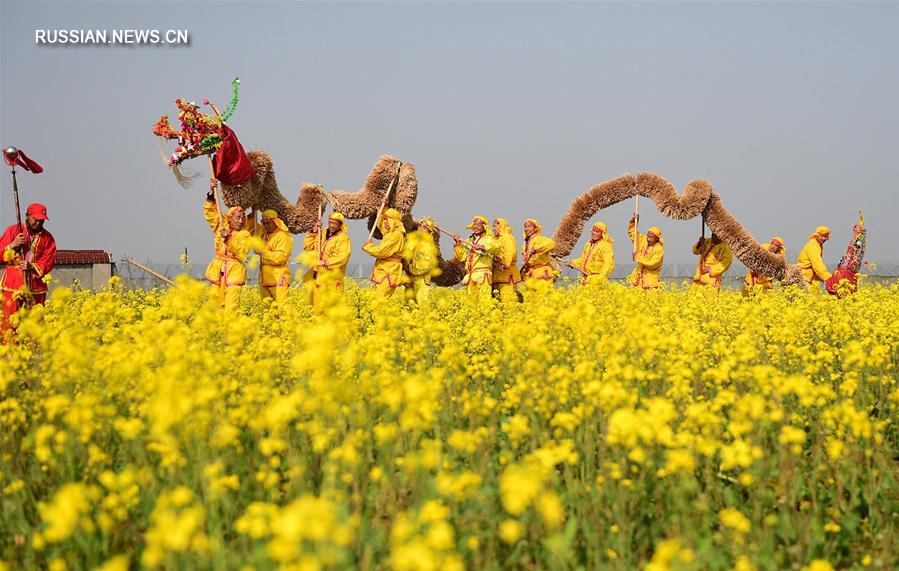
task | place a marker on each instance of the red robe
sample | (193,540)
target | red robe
(41,255)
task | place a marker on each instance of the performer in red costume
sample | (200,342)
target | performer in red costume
(28,256)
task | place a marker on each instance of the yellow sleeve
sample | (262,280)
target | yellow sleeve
(210,213)
(491,246)
(391,245)
(579,261)
(310,242)
(723,259)
(653,261)
(461,252)
(698,247)
(544,245)
(632,234)
(277,249)
(507,250)
(814,256)
(341,255)
(239,244)
(608,259)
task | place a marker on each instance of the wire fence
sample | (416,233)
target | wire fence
(135,278)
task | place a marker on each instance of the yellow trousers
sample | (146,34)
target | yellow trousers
(278,294)
(506,292)
(383,289)
(418,289)
(481,291)
(226,296)
(325,290)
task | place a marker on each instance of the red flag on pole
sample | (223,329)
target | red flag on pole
(19,158)
(232,166)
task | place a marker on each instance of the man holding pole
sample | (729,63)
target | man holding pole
(274,275)
(536,270)
(29,252)
(420,253)
(227,271)
(598,259)
(714,258)
(810,262)
(756,282)
(387,274)
(505,263)
(648,253)
(331,259)
(477,252)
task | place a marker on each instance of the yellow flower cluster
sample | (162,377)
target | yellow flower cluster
(587,427)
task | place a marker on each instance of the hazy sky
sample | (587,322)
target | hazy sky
(791,111)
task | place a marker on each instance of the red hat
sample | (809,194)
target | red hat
(38,210)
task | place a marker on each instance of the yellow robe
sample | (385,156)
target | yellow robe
(227,271)
(327,280)
(649,261)
(505,268)
(274,275)
(420,253)
(810,263)
(388,271)
(758,281)
(597,261)
(718,257)
(536,266)
(478,263)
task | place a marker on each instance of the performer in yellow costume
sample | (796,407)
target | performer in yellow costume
(476,253)
(227,272)
(598,259)
(810,263)
(649,255)
(274,275)
(332,256)
(536,271)
(714,258)
(505,262)
(757,282)
(420,253)
(387,275)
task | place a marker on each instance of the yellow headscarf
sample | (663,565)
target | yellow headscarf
(535,223)
(605,233)
(482,219)
(427,222)
(272,215)
(504,227)
(338,216)
(658,233)
(392,220)
(820,231)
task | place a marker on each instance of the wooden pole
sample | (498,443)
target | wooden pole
(151,272)
(15,192)
(26,275)
(215,191)
(450,234)
(566,262)
(318,243)
(636,213)
(384,202)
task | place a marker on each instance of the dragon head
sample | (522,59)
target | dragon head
(200,134)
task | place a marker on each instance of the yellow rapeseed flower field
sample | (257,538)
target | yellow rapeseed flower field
(585,428)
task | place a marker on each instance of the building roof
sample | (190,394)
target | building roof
(71,257)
